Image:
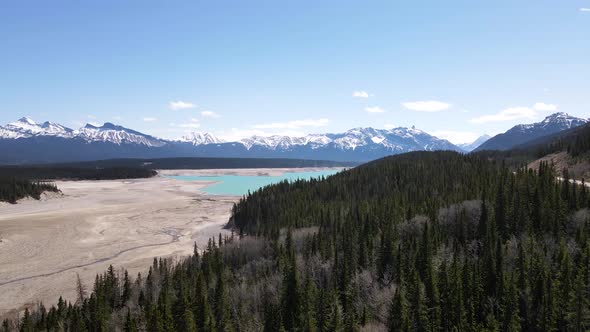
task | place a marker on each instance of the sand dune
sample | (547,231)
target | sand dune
(44,244)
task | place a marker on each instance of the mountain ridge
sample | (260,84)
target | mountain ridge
(115,141)
(523,133)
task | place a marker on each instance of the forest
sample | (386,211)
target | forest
(74,173)
(12,189)
(424,241)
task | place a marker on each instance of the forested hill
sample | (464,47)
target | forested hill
(400,186)
(417,242)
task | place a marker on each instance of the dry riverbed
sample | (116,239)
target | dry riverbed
(93,224)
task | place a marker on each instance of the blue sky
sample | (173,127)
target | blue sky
(234,68)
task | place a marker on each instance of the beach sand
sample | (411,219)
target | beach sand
(93,224)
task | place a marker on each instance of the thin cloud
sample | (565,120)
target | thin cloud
(427,106)
(210,114)
(297,124)
(584,9)
(545,107)
(508,114)
(150,119)
(456,137)
(91,116)
(374,109)
(180,105)
(189,125)
(360,94)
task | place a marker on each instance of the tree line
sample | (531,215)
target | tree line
(74,173)
(12,189)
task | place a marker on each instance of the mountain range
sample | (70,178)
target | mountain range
(523,133)
(25,141)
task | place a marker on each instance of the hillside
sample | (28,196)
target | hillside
(419,241)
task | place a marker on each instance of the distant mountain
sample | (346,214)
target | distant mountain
(468,147)
(521,134)
(117,135)
(201,138)
(25,141)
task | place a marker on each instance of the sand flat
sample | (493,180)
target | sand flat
(45,244)
(93,224)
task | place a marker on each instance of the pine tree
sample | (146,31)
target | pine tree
(188,322)
(399,319)
(222,321)
(130,323)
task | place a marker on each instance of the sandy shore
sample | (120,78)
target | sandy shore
(93,224)
(44,244)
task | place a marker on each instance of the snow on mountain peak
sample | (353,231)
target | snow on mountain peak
(116,134)
(27,120)
(198,138)
(358,139)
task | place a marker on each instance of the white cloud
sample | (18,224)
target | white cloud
(456,137)
(545,107)
(426,106)
(189,125)
(374,109)
(583,9)
(116,117)
(360,94)
(508,114)
(150,119)
(91,116)
(210,114)
(180,105)
(297,124)
(389,126)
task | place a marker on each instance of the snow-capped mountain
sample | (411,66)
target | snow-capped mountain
(117,135)
(468,147)
(26,127)
(197,138)
(396,140)
(26,141)
(524,133)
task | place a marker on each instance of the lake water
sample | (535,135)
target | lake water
(240,184)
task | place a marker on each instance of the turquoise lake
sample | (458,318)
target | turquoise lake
(240,184)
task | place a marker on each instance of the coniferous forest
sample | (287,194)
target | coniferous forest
(425,241)
(12,189)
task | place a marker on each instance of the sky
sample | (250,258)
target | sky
(455,69)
